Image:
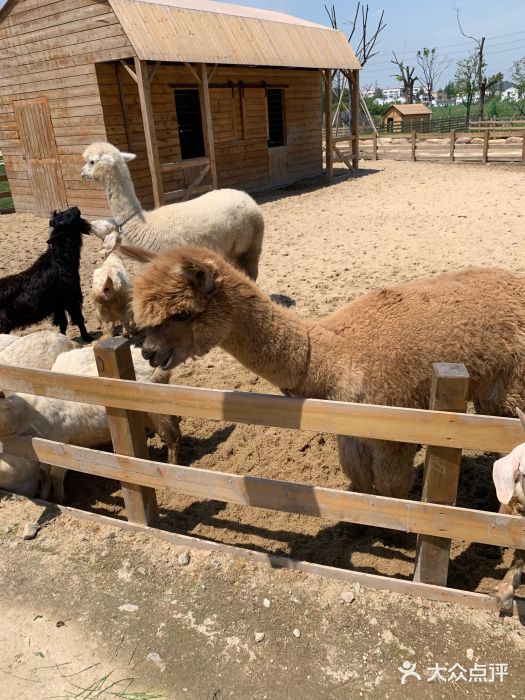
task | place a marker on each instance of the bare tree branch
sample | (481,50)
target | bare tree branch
(405,76)
(366,44)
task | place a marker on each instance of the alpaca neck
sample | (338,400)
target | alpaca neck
(275,343)
(121,195)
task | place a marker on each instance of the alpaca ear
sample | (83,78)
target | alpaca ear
(504,474)
(203,277)
(128,156)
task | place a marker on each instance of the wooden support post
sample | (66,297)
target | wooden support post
(485,146)
(355,117)
(452,144)
(207,123)
(414,145)
(123,105)
(523,149)
(148,121)
(114,360)
(374,146)
(448,393)
(329,152)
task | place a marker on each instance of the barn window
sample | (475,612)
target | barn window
(276,130)
(189,119)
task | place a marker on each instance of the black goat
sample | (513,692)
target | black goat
(51,286)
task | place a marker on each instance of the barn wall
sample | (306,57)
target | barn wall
(48,50)
(241,162)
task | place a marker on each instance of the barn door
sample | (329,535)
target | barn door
(40,153)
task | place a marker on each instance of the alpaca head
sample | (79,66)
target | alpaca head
(508,472)
(68,223)
(101,159)
(104,288)
(179,300)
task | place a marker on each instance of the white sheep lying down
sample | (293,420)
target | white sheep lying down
(37,350)
(75,423)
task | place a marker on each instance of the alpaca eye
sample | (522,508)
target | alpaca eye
(92,162)
(181,316)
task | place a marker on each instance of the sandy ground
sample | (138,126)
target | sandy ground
(391,222)
(94,612)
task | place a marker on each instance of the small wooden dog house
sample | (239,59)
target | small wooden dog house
(407,118)
(207,94)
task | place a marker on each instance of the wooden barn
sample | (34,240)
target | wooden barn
(207,94)
(407,118)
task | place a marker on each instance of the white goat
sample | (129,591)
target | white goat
(112,290)
(227,221)
(509,478)
(74,423)
(37,350)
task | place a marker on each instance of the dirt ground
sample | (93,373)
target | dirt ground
(391,222)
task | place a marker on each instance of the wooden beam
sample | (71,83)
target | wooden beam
(130,70)
(328,124)
(523,148)
(303,499)
(123,105)
(420,426)
(355,106)
(211,72)
(148,120)
(192,189)
(375,581)
(374,146)
(450,383)
(452,145)
(152,72)
(207,122)
(183,164)
(114,359)
(193,72)
(414,145)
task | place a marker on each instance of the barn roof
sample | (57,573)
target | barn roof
(412,110)
(218,32)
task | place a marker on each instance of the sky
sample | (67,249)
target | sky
(412,25)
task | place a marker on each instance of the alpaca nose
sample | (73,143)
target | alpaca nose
(148,354)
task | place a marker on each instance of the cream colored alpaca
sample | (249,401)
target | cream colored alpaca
(228,221)
(112,289)
(379,349)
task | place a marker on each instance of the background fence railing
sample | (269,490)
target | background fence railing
(435,519)
(6,197)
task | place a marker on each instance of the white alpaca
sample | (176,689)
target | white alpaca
(7,339)
(112,289)
(227,221)
(37,350)
(75,423)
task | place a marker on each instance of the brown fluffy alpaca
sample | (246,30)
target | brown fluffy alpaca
(378,349)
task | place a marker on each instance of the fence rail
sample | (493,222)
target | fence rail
(489,147)
(435,520)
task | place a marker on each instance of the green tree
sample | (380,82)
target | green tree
(450,90)
(517,75)
(494,87)
(465,80)
(379,94)
(431,68)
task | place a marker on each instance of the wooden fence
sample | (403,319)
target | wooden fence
(446,430)
(414,146)
(5,194)
(497,125)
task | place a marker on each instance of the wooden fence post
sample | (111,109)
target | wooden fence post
(452,144)
(414,146)
(486,146)
(114,360)
(374,145)
(523,149)
(448,393)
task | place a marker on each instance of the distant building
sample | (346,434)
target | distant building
(389,94)
(407,117)
(511,93)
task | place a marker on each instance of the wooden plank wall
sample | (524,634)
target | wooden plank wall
(241,162)
(49,50)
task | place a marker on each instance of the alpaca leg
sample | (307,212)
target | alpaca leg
(355,457)
(168,428)
(249,263)
(512,580)
(393,468)
(46,486)
(58,474)
(503,395)
(60,320)
(77,318)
